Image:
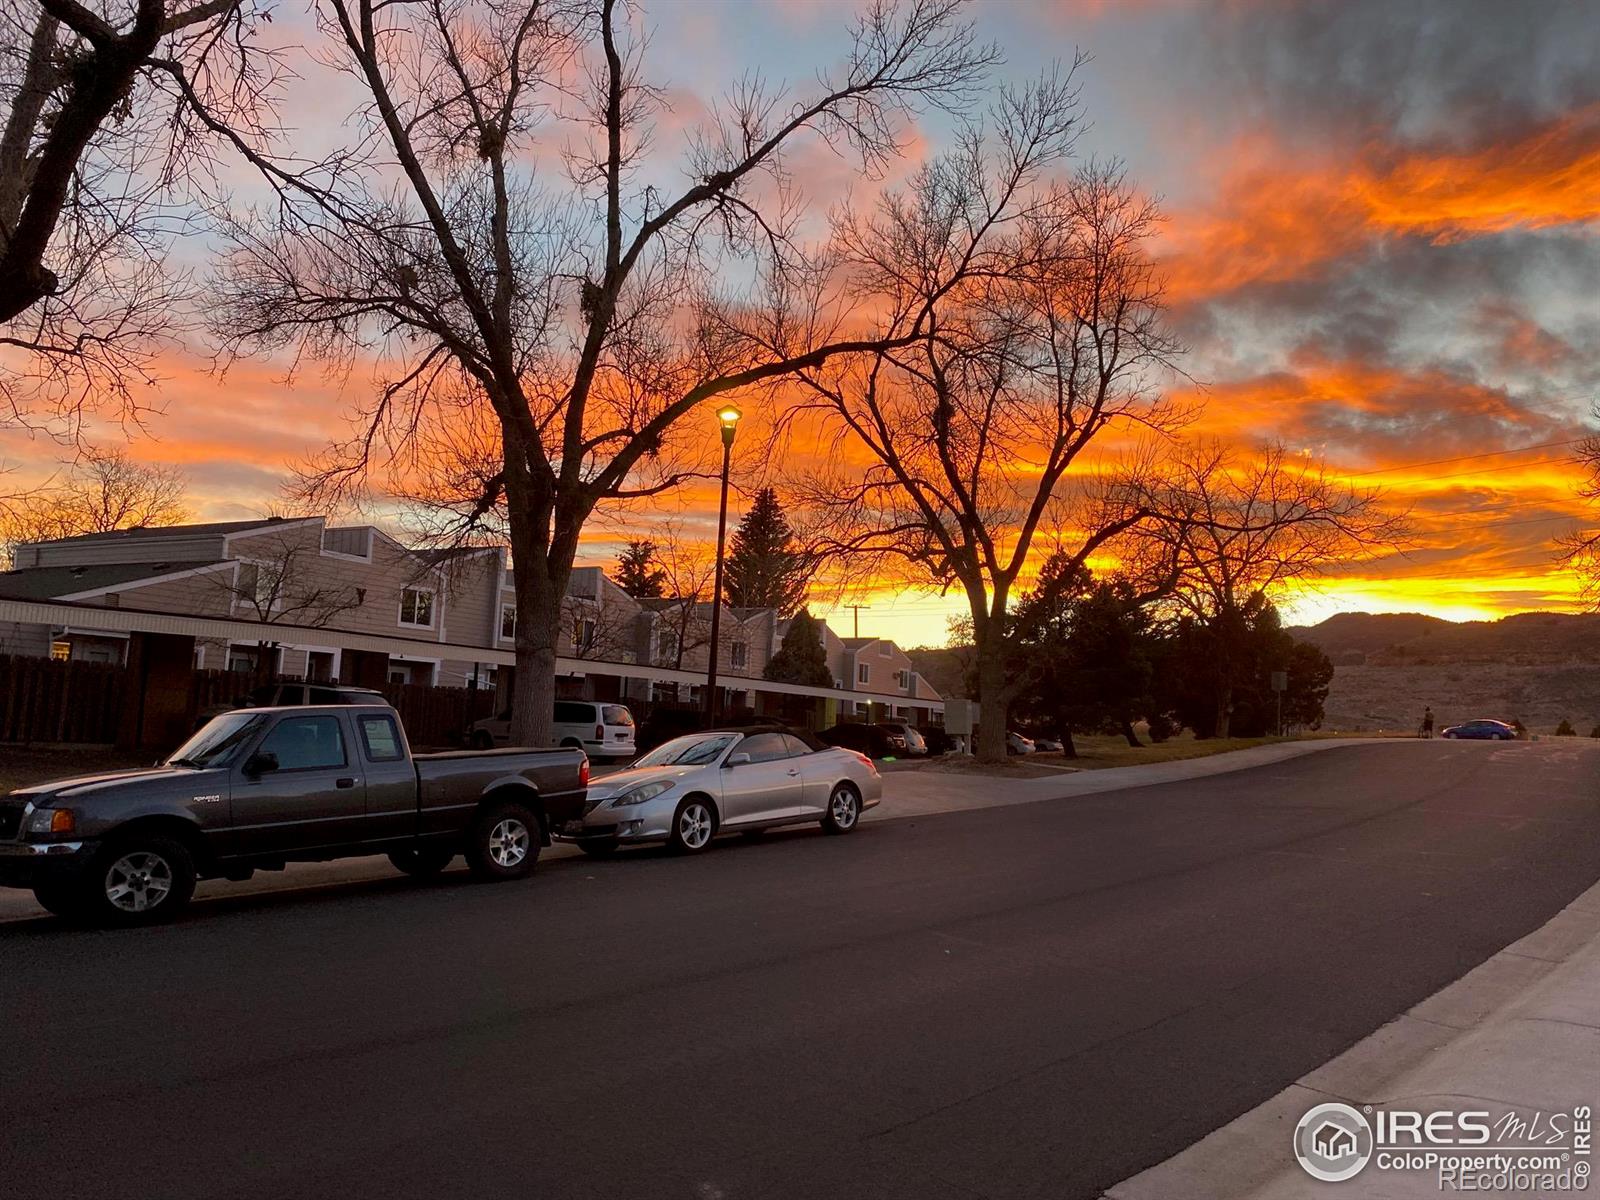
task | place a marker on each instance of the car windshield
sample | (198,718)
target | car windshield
(694,751)
(218,742)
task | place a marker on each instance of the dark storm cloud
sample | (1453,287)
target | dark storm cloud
(1458,72)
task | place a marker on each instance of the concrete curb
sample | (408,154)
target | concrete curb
(926,793)
(1520,1031)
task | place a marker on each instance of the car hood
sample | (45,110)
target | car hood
(620,781)
(122,783)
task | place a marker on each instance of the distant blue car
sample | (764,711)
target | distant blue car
(1483,731)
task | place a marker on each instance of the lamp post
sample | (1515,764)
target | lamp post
(728,417)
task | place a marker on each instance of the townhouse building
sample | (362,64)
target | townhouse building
(301,598)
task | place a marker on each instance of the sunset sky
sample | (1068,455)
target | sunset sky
(1382,239)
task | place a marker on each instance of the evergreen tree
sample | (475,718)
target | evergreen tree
(801,658)
(639,572)
(763,569)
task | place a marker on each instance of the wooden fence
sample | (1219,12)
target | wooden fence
(43,700)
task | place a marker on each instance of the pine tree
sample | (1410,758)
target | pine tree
(801,658)
(764,570)
(639,572)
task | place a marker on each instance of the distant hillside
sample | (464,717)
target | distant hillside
(1537,668)
(1377,639)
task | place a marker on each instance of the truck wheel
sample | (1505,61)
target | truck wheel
(138,881)
(422,864)
(693,826)
(60,900)
(844,810)
(504,842)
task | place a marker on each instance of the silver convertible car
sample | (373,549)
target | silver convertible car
(692,788)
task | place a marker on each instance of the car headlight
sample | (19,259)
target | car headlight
(46,822)
(638,795)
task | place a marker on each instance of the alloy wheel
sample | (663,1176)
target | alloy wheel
(508,842)
(842,806)
(694,826)
(138,882)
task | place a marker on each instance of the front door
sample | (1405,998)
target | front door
(314,797)
(765,788)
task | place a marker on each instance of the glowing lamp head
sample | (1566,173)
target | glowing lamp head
(728,416)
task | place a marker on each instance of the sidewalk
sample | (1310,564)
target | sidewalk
(1521,1032)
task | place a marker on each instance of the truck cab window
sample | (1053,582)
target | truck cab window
(305,743)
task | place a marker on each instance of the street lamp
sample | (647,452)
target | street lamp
(728,417)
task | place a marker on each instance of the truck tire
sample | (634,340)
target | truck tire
(138,880)
(503,842)
(422,864)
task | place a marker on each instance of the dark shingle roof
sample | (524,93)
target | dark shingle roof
(48,583)
(206,529)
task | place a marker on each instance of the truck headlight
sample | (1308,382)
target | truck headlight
(638,795)
(46,822)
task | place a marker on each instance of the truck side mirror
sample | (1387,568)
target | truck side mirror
(261,762)
(737,760)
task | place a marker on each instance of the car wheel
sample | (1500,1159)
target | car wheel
(844,810)
(483,740)
(60,900)
(138,881)
(422,864)
(693,826)
(504,843)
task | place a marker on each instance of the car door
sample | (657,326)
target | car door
(819,771)
(393,811)
(314,796)
(766,787)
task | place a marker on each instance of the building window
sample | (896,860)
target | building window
(255,586)
(508,621)
(740,656)
(668,640)
(61,651)
(902,679)
(416,607)
(583,634)
(863,672)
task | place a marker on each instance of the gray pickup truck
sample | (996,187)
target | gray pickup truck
(260,787)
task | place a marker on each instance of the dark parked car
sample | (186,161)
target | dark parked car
(872,740)
(937,739)
(916,747)
(1482,730)
(258,788)
(282,695)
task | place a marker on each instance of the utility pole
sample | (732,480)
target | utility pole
(856,610)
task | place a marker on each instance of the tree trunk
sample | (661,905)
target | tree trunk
(1127,732)
(1069,749)
(533,697)
(1224,711)
(992,705)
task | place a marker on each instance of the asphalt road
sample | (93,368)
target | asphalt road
(1032,1001)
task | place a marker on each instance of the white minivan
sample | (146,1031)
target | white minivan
(601,729)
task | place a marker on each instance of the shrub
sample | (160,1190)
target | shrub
(1565,729)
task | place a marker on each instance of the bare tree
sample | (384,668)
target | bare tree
(103,491)
(683,613)
(285,583)
(1053,337)
(1580,551)
(1233,533)
(97,162)
(587,310)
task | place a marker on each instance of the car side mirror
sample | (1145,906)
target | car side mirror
(260,763)
(737,760)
